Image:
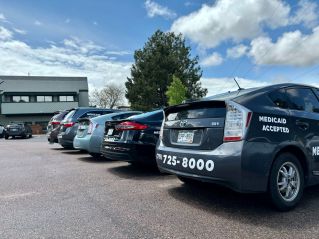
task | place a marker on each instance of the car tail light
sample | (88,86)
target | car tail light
(92,127)
(130,126)
(69,124)
(55,122)
(237,122)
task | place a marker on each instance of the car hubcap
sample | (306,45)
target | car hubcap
(288,181)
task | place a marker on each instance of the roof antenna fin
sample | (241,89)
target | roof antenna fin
(239,88)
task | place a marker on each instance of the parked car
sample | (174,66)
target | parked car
(69,125)
(18,129)
(134,139)
(90,132)
(2,131)
(255,140)
(53,127)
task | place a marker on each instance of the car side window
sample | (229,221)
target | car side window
(279,98)
(303,99)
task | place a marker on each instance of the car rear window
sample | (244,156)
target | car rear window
(95,113)
(69,115)
(59,116)
(151,116)
(198,114)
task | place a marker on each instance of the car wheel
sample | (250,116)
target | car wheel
(286,182)
(6,137)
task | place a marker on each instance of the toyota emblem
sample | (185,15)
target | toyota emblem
(183,123)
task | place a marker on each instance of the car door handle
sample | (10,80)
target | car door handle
(302,125)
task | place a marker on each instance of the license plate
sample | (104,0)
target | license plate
(185,137)
(14,129)
(110,131)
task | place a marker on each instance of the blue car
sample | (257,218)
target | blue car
(90,132)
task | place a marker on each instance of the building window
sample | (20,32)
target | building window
(19,99)
(66,98)
(41,98)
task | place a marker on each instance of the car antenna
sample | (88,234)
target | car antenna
(239,88)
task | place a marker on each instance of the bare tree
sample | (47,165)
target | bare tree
(109,96)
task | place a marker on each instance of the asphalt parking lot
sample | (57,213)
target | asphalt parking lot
(49,192)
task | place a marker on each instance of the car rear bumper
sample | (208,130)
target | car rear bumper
(227,165)
(129,152)
(81,143)
(16,133)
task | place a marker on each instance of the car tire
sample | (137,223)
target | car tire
(188,181)
(6,137)
(96,155)
(286,182)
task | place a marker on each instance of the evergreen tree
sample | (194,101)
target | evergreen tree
(163,55)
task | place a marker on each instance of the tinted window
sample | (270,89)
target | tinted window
(198,114)
(303,99)
(124,116)
(151,116)
(69,115)
(317,92)
(279,98)
(92,114)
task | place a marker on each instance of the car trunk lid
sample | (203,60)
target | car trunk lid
(195,125)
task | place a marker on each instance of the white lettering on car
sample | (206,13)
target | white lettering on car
(315,151)
(274,128)
(276,120)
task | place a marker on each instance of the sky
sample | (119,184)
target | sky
(258,42)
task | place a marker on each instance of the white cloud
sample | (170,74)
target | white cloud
(5,34)
(292,48)
(237,51)
(38,23)
(212,60)
(20,31)
(73,57)
(154,9)
(2,17)
(221,85)
(231,20)
(306,14)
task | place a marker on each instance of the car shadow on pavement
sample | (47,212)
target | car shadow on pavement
(90,159)
(74,152)
(253,209)
(137,172)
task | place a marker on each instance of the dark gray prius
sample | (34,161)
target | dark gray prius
(256,140)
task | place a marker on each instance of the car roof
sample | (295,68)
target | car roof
(114,114)
(249,91)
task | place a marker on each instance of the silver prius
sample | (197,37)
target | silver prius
(90,132)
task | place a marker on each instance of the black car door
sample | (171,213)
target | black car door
(304,109)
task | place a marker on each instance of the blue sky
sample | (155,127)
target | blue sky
(258,42)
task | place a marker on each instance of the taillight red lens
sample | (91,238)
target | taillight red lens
(237,122)
(55,122)
(130,126)
(69,124)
